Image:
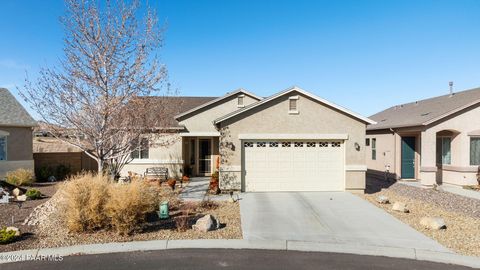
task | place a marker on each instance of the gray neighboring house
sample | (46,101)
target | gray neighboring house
(16,128)
(290,141)
(435,140)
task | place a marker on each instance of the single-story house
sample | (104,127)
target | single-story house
(290,141)
(16,127)
(436,140)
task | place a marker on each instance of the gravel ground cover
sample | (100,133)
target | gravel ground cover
(461,214)
(20,213)
(50,231)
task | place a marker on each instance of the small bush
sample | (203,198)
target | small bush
(62,172)
(94,202)
(182,223)
(129,204)
(208,205)
(6,236)
(20,177)
(33,194)
(85,199)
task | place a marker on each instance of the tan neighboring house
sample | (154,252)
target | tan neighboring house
(16,127)
(290,141)
(436,140)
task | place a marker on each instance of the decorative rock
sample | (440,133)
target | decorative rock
(400,207)
(52,178)
(383,199)
(22,198)
(231,200)
(16,192)
(206,223)
(433,223)
(15,229)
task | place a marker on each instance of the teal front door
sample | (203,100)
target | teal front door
(408,157)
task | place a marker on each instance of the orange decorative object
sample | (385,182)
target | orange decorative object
(218,162)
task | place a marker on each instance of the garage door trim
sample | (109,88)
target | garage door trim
(273,136)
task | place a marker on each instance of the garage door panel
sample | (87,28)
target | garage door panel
(294,166)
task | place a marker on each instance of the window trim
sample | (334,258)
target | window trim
(374,149)
(295,110)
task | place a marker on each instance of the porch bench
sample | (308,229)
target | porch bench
(160,173)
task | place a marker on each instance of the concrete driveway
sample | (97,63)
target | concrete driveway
(328,217)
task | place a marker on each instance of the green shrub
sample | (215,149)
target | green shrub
(44,172)
(20,177)
(33,194)
(62,171)
(6,236)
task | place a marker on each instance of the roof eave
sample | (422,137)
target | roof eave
(298,89)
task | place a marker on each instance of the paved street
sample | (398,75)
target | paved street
(231,259)
(329,217)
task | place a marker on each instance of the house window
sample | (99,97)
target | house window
(444,154)
(292,104)
(475,151)
(3,147)
(374,149)
(140,149)
(240,100)
(367,142)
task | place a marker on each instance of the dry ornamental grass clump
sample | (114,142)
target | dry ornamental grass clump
(20,177)
(94,202)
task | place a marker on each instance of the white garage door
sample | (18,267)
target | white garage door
(294,165)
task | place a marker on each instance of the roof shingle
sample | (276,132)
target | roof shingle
(12,112)
(423,112)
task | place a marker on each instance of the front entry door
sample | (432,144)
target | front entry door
(408,157)
(204,156)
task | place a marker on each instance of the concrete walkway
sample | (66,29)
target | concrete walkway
(196,189)
(327,217)
(448,188)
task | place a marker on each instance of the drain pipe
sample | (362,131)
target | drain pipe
(394,152)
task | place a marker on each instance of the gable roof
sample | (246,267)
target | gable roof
(181,104)
(301,91)
(12,112)
(425,112)
(238,91)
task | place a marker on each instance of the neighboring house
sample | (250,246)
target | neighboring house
(436,140)
(16,127)
(291,141)
(50,153)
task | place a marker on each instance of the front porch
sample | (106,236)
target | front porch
(200,155)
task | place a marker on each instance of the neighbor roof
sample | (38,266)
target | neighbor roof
(238,91)
(299,90)
(425,112)
(12,112)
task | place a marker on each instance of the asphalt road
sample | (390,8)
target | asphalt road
(228,259)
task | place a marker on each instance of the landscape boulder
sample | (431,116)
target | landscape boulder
(206,223)
(383,199)
(16,192)
(433,223)
(15,229)
(400,207)
(22,198)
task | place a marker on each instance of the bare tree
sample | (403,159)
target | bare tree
(96,98)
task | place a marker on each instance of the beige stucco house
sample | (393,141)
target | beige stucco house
(290,141)
(436,140)
(16,127)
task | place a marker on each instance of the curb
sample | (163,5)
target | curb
(358,249)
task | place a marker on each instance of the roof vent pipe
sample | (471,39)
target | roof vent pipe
(450,84)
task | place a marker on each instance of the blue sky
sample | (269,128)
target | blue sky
(364,55)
